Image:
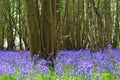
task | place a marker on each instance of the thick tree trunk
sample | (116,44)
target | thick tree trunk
(99,25)
(33,27)
(46,27)
(108,23)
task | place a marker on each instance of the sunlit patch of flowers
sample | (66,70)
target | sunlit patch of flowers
(68,65)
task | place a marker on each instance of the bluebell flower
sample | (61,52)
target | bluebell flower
(12,71)
(109,46)
(59,69)
(43,70)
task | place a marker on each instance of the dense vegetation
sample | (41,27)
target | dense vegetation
(51,25)
(69,65)
(59,39)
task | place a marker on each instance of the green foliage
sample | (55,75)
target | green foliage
(61,7)
(52,76)
(9,77)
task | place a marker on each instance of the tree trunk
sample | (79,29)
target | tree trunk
(46,26)
(117,27)
(108,23)
(59,27)
(99,25)
(10,39)
(66,27)
(20,25)
(85,30)
(33,28)
(53,29)
(78,27)
(1,28)
(10,36)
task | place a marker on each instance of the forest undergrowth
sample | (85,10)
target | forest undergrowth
(68,65)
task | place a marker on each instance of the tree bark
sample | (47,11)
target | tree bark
(117,26)
(108,23)
(46,26)
(33,28)
(78,27)
(1,28)
(67,28)
(53,29)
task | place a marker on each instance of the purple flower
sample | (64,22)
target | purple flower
(109,46)
(59,69)
(12,71)
(43,70)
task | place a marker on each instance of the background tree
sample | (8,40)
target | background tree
(1,27)
(47,26)
(117,25)
(108,22)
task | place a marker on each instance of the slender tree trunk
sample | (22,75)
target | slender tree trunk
(58,18)
(67,27)
(10,36)
(25,37)
(20,26)
(53,29)
(78,27)
(72,27)
(59,27)
(117,29)
(1,28)
(85,30)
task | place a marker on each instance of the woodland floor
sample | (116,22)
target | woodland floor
(69,65)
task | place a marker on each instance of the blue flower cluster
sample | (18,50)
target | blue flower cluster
(82,63)
(85,63)
(21,62)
